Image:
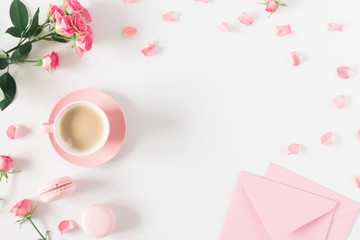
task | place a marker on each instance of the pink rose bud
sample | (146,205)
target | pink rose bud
(84,43)
(63,25)
(73,6)
(79,23)
(52,10)
(21,208)
(6,163)
(271,6)
(50,61)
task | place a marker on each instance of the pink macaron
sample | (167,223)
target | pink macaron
(57,189)
(98,221)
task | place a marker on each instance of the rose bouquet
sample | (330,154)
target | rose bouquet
(66,24)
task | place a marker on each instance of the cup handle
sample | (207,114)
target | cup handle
(47,128)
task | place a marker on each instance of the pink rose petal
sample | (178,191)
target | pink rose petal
(344,72)
(283,30)
(129,31)
(66,226)
(14,131)
(170,16)
(129,1)
(334,27)
(339,101)
(295,59)
(327,139)
(357,181)
(293,148)
(204,1)
(149,50)
(246,19)
(224,27)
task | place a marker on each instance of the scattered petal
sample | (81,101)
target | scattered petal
(283,30)
(14,131)
(66,226)
(246,19)
(334,27)
(149,50)
(293,148)
(129,31)
(339,101)
(357,181)
(224,27)
(129,1)
(204,1)
(328,139)
(295,59)
(344,72)
(170,16)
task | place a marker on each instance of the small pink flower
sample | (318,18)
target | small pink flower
(293,148)
(50,61)
(149,50)
(334,27)
(63,25)
(6,163)
(170,17)
(84,43)
(66,226)
(129,31)
(295,59)
(283,30)
(79,23)
(21,208)
(344,72)
(14,131)
(339,101)
(246,19)
(54,9)
(72,6)
(85,13)
(271,6)
(224,27)
(327,139)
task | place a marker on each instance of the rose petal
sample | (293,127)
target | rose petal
(66,226)
(293,148)
(149,51)
(204,1)
(14,131)
(224,27)
(129,31)
(283,30)
(344,72)
(327,139)
(170,16)
(357,181)
(295,59)
(339,101)
(129,1)
(246,19)
(334,27)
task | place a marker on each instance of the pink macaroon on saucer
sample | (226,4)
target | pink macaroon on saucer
(117,127)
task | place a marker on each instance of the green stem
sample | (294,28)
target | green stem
(25,60)
(32,223)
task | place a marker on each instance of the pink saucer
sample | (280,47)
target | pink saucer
(117,127)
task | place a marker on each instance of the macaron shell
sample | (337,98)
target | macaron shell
(98,221)
(57,189)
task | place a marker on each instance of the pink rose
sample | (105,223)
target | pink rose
(79,23)
(85,13)
(72,6)
(52,10)
(84,43)
(21,208)
(50,61)
(271,6)
(5,163)
(63,25)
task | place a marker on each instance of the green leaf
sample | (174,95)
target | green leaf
(34,24)
(3,54)
(3,63)
(17,57)
(19,15)
(13,31)
(25,49)
(8,86)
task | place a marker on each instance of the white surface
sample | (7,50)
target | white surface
(206,106)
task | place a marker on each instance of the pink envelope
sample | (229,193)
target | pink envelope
(285,206)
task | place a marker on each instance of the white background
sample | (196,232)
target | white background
(207,105)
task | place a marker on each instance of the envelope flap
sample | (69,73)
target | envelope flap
(283,209)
